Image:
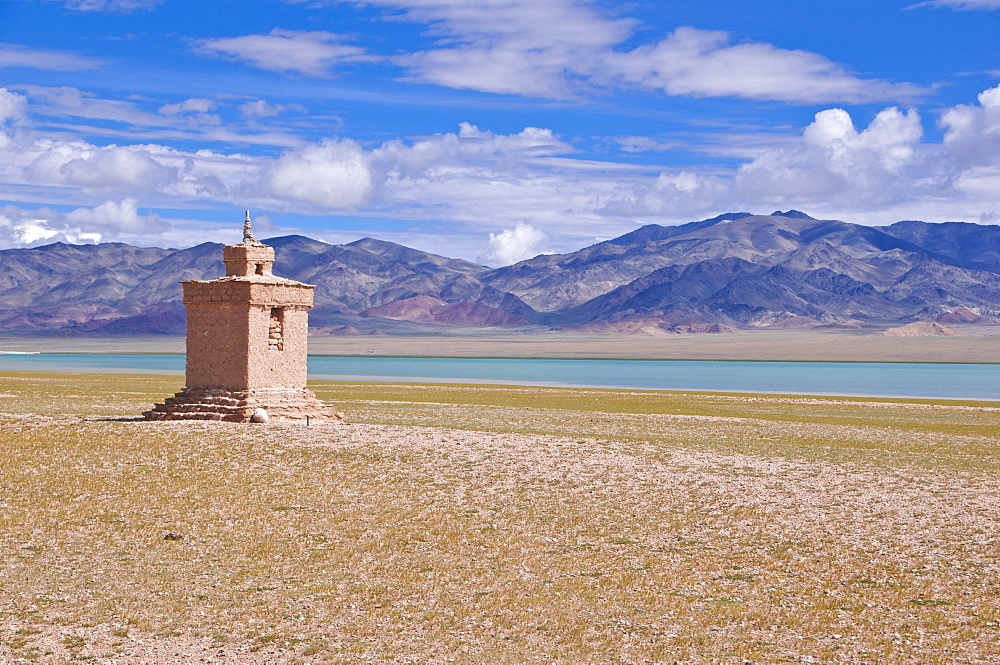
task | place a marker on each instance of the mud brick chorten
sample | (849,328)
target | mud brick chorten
(246,343)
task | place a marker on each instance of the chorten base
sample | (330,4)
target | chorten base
(239,405)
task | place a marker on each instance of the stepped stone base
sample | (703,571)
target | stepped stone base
(239,405)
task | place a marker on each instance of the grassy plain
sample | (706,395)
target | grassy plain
(497,524)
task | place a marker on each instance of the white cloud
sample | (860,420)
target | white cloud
(260,108)
(832,166)
(443,154)
(18,55)
(973,132)
(668,196)
(192,105)
(12,105)
(108,221)
(644,144)
(287,51)
(705,63)
(880,173)
(485,180)
(72,102)
(525,47)
(28,233)
(559,49)
(961,5)
(513,245)
(835,159)
(111,221)
(181,120)
(115,218)
(99,169)
(474,181)
(331,175)
(122,6)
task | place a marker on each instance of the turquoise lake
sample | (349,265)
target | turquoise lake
(954,381)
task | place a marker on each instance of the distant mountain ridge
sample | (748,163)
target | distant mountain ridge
(736,270)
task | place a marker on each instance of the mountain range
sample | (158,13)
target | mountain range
(736,270)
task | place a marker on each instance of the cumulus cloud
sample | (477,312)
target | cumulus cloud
(832,165)
(12,106)
(834,158)
(513,245)
(487,180)
(886,171)
(973,132)
(111,220)
(18,55)
(666,196)
(559,49)
(476,181)
(331,175)
(442,154)
(95,169)
(115,218)
(314,53)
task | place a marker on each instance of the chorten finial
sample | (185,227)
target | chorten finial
(247,231)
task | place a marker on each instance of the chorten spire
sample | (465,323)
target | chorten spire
(247,231)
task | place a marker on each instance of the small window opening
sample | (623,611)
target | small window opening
(259,269)
(276,330)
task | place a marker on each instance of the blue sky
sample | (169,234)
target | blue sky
(491,130)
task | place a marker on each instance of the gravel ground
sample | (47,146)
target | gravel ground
(645,537)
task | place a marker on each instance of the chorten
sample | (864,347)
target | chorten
(247,338)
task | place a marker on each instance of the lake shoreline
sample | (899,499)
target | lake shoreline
(981,344)
(324,381)
(384,356)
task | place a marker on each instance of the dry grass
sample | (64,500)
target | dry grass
(498,524)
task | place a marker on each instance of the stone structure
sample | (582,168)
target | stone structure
(246,343)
